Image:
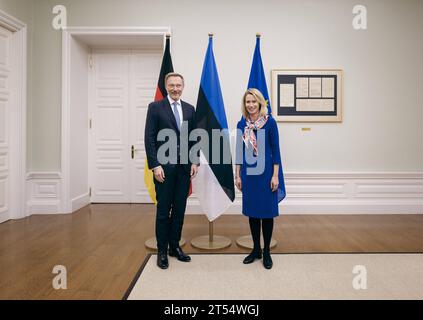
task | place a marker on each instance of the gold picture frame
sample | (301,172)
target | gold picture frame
(307,95)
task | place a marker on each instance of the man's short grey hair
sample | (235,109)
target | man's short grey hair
(174,74)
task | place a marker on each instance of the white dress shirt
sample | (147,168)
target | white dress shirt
(178,107)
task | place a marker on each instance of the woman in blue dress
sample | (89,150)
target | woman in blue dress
(259,172)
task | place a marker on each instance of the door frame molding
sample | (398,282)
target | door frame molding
(17,128)
(67,34)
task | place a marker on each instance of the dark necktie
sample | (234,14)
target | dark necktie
(176,113)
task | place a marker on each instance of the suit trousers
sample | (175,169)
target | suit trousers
(171,198)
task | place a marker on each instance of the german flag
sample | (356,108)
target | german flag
(166,68)
(161,93)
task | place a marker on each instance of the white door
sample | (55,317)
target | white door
(122,84)
(5,36)
(144,73)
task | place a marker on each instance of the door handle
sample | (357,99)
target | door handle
(133,151)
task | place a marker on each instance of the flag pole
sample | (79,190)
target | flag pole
(210,231)
(151,243)
(247,241)
(211,241)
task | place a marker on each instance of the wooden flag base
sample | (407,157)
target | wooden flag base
(247,242)
(218,242)
(211,242)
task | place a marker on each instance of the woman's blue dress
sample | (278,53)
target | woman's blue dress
(258,200)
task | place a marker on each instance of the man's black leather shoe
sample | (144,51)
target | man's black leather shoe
(179,254)
(267,260)
(255,254)
(162,261)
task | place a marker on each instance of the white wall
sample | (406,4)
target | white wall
(78,118)
(46,115)
(382,70)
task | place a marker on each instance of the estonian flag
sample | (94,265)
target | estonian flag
(161,93)
(258,80)
(214,184)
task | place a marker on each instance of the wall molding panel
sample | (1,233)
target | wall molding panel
(43,190)
(307,193)
(345,193)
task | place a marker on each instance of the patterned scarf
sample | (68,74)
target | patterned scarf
(249,136)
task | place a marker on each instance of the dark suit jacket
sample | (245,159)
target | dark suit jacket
(160,116)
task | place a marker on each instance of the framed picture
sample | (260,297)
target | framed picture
(313,95)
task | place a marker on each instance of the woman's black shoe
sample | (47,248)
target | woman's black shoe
(267,260)
(255,254)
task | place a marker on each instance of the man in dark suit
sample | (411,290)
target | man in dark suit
(171,174)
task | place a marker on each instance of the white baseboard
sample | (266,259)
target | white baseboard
(290,207)
(343,193)
(4,217)
(80,202)
(41,207)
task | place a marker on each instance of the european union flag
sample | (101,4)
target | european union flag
(257,79)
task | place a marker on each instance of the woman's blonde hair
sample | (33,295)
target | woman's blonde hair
(260,99)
